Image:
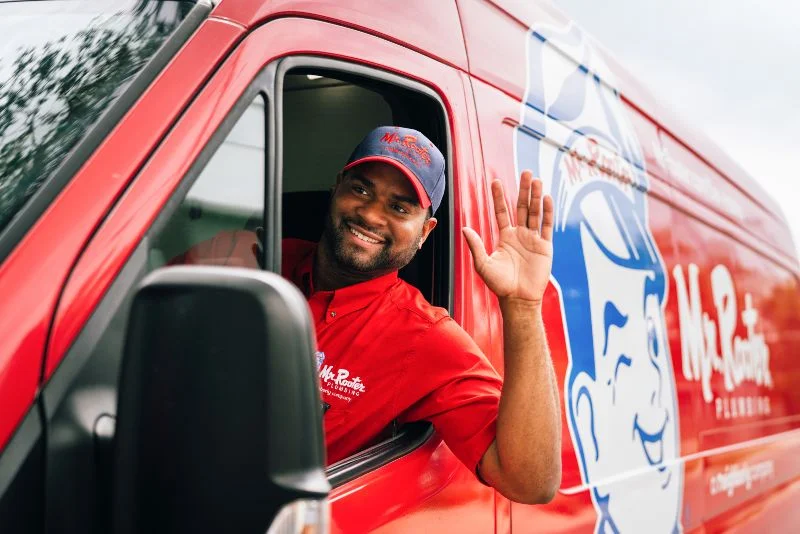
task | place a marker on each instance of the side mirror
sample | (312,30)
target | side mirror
(219,423)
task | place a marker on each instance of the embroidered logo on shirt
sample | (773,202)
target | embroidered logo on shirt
(339,383)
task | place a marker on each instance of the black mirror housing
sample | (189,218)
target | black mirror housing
(219,423)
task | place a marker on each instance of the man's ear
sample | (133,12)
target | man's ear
(582,406)
(427,228)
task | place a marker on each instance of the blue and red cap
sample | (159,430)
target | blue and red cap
(410,152)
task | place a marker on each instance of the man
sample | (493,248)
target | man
(385,354)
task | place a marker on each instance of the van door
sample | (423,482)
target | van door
(60,98)
(231,166)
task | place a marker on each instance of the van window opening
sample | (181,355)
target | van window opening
(325,115)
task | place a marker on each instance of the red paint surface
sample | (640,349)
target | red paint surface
(430,28)
(31,278)
(92,193)
(441,483)
(752,243)
(107,212)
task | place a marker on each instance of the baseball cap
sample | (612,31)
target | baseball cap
(410,152)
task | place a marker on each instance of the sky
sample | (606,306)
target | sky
(729,68)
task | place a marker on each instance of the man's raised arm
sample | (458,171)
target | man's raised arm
(524,461)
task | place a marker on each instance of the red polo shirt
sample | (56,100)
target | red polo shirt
(384,353)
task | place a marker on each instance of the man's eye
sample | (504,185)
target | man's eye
(359,190)
(400,209)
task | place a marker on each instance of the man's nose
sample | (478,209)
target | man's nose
(372,213)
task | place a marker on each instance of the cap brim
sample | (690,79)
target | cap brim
(424,200)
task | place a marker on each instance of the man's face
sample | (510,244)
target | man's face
(626,416)
(375,224)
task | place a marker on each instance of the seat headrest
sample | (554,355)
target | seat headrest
(303,214)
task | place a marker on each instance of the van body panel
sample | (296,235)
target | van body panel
(574,128)
(421,486)
(431,28)
(700,181)
(78,208)
(494,29)
(92,193)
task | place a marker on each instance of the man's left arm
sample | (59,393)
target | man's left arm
(524,461)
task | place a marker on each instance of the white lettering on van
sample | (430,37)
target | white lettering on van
(737,359)
(735,477)
(701,186)
(588,160)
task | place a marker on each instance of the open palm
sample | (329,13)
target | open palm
(519,268)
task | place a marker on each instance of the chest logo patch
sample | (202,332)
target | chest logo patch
(339,382)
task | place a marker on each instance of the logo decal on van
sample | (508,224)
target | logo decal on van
(619,388)
(737,359)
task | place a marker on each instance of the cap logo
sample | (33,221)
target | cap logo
(412,152)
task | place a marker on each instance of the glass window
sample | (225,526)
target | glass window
(62,64)
(220,219)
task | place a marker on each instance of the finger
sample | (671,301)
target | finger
(475,244)
(500,207)
(535,208)
(547,218)
(524,196)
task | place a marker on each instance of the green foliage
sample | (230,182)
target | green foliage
(57,90)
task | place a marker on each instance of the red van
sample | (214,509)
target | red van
(139,397)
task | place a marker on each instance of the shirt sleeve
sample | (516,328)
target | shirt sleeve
(451,383)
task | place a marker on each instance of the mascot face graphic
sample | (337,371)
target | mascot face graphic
(619,391)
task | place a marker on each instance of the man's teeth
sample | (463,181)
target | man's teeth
(362,237)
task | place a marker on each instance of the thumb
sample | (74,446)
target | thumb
(475,244)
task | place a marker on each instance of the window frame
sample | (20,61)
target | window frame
(444,293)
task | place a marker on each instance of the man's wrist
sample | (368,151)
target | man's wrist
(516,306)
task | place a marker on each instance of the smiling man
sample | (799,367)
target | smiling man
(387,356)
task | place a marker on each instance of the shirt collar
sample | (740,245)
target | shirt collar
(357,296)
(346,299)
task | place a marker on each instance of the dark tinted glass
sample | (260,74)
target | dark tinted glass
(62,64)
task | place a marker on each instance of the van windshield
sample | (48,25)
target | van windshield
(62,64)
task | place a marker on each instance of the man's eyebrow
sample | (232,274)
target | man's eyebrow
(414,201)
(355,175)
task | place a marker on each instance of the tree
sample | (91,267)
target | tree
(57,90)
